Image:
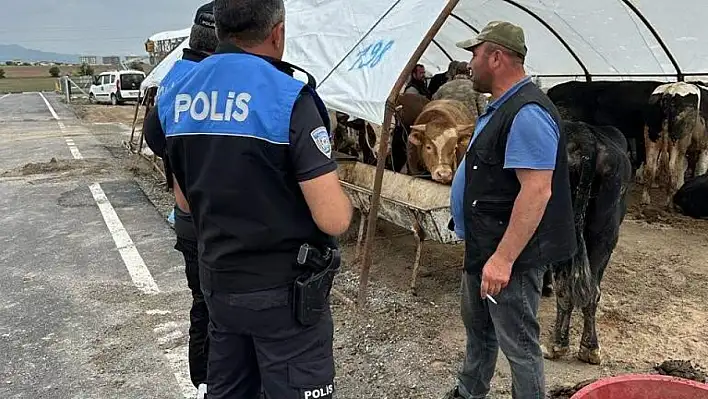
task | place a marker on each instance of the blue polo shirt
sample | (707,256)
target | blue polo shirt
(532,144)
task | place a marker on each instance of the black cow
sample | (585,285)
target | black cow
(692,198)
(605,103)
(600,175)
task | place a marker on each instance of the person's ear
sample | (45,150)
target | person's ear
(278,35)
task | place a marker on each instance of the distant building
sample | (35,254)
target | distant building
(111,60)
(130,58)
(88,59)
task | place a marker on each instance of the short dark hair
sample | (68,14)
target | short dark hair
(247,21)
(415,68)
(491,47)
(202,38)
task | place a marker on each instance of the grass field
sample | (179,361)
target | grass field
(43,71)
(37,78)
(18,85)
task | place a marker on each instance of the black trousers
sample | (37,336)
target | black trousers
(258,348)
(199,313)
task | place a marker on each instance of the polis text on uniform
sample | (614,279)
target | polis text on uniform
(185,102)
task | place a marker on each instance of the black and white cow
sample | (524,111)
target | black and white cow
(600,175)
(676,115)
(620,104)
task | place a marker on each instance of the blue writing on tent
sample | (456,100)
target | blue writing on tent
(371,55)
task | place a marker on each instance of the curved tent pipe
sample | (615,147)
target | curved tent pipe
(588,76)
(442,49)
(467,24)
(645,21)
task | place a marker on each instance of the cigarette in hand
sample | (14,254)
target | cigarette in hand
(491,299)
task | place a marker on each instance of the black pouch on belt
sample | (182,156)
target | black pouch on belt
(312,289)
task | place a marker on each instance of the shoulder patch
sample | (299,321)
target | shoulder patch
(321,138)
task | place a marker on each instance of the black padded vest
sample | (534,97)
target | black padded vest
(490,192)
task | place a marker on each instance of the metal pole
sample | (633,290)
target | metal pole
(135,116)
(67,91)
(383,147)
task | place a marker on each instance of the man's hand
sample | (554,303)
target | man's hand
(528,210)
(495,275)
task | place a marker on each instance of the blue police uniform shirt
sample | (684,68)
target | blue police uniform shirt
(241,134)
(218,104)
(532,144)
(152,129)
(179,69)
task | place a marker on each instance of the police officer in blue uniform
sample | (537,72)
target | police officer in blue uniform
(250,148)
(202,43)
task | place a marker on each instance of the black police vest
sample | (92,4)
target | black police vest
(248,209)
(490,192)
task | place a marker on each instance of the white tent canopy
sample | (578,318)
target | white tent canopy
(356,50)
(169,35)
(608,37)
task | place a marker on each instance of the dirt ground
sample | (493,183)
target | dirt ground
(652,307)
(102,113)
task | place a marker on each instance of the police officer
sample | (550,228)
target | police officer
(250,148)
(511,202)
(202,42)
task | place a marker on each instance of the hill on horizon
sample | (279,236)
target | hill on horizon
(11,52)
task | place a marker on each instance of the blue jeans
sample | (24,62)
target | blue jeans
(511,325)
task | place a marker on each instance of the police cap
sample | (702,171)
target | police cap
(205,16)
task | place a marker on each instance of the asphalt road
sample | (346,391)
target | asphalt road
(93,299)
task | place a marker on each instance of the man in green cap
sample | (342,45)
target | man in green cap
(511,203)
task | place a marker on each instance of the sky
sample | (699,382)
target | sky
(91,27)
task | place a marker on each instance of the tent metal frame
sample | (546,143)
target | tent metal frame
(403,77)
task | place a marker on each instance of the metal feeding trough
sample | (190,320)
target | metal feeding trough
(422,206)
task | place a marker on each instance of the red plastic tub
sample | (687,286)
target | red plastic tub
(643,386)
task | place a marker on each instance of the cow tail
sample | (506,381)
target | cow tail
(581,282)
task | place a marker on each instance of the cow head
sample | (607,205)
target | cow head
(440,147)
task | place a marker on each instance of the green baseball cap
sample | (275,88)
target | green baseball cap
(500,32)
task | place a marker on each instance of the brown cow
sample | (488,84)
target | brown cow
(361,138)
(675,125)
(408,108)
(439,139)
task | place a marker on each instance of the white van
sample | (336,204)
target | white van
(115,87)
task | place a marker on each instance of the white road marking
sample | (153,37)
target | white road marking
(157,311)
(177,358)
(6,95)
(137,269)
(73,148)
(131,257)
(169,334)
(54,114)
